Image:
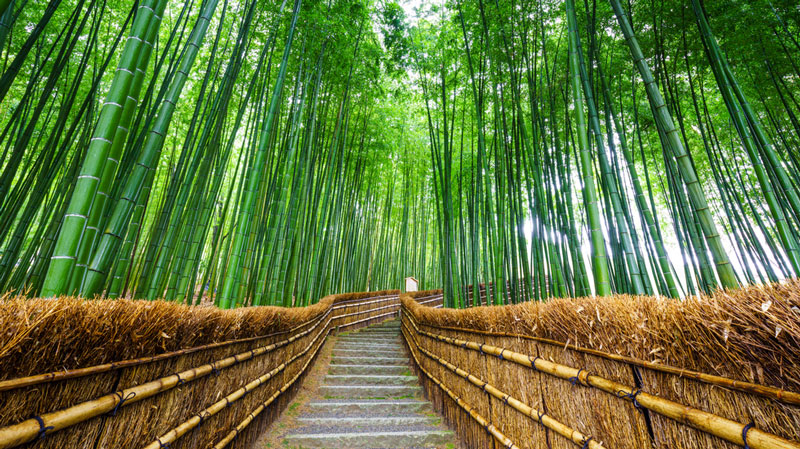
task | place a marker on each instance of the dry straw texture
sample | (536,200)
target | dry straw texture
(750,335)
(156,340)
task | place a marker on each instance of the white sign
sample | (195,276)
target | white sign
(411,284)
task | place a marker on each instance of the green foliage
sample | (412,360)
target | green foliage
(440,141)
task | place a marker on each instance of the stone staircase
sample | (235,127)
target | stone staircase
(369,398)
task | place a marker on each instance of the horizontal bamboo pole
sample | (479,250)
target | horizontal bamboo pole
(494,431)
(252,415)
(365,319)
(785,396)
(546,420)
(30,429)
(225,402)
(54,376)
(366,295)
(361,312)
(36,379)
(363,301)
(710,423)
(440,298)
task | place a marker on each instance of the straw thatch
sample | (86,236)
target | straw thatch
(751,335)
(62,357)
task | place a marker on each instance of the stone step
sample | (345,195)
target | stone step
(367,351)
(371,407)
(377,332)
(364,360)
(352,421)
(372,334)
(348,345)
(373,439)
(368,369)
(395,340)
(369,379)
(369,391)
(372,399)
(370,340)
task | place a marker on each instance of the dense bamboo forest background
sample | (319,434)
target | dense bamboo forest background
(270,153)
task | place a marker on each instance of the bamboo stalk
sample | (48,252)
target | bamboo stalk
(710,423)
(542,418)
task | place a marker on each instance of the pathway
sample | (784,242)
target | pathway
(368,398)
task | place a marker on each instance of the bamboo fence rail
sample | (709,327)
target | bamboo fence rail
(540,416)
(159,394)
(645,393)
(788,397)
(27,381)
(252,415)
(477,417)
(213,409)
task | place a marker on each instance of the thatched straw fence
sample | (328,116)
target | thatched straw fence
(134,374)
(721,371)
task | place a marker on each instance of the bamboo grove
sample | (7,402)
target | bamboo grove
(269,153)
(234,151)
(602,147)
